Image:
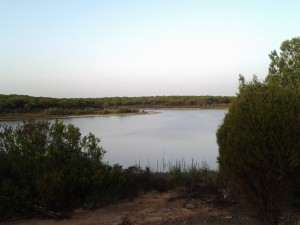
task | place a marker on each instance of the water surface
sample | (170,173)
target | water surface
(167,136)
(149,140)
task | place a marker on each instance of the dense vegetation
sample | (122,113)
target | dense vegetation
(51,165)
(16,104)
(259,145)
(46,167)
(284,69)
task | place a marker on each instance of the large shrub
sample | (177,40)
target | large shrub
(259,145)
(51,165)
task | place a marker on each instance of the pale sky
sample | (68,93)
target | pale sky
(106,48)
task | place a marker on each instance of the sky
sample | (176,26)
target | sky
(107,48)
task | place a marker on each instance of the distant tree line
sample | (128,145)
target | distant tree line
(12,104)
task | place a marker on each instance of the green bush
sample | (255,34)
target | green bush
(50,165)
(122,110)
(176,176)
(259,145)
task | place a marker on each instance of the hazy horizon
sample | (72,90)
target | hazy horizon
(142,96)
(80,49)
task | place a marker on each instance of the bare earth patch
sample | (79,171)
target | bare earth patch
(153,208)
(158,209)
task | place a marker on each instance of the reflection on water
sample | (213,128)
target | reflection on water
(148,140)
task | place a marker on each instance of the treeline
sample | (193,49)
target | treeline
(13,104)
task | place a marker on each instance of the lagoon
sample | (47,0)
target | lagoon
(151,139)
(158,139)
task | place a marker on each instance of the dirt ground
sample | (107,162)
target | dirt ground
(160,209)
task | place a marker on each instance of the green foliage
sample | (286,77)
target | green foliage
(138,179)
(51,165)
(259,145)
(258,140)
(126,110)
(20,104)
(191,176)
(176,176)
(284,69)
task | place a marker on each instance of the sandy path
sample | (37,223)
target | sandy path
(151,209)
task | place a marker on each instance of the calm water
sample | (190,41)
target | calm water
(148,140)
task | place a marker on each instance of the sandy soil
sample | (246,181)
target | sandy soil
(201,205)
(156,209)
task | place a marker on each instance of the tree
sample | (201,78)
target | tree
(284,69)
(259,145)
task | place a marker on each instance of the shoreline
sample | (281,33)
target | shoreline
(144,111)
(49,117)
